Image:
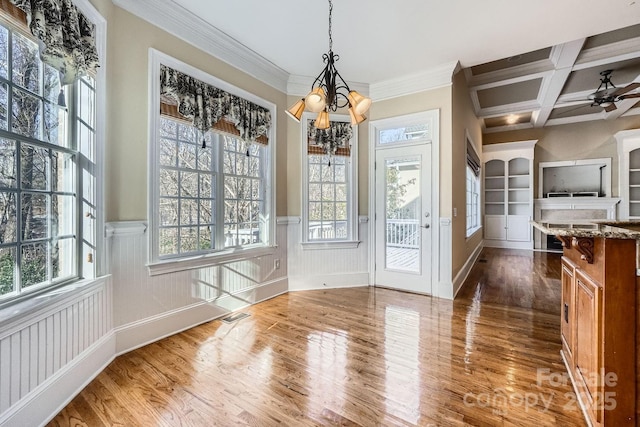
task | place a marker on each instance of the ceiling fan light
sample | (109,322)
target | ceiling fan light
(316,100)
(606,104)
(296,110)
(359,103)
(322,121)
(356,118)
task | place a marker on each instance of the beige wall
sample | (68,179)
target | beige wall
(463,120)
(129,40)
(575,141)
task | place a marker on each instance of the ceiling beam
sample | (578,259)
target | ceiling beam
(564,57)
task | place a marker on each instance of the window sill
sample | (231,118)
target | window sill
(208,260)
(473,233)
(348,244)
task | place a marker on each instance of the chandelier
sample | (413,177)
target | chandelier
(329,92)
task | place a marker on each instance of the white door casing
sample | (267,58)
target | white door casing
(408,145)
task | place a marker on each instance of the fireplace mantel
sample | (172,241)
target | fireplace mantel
(572,208)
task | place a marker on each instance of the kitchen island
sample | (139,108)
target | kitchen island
(599,316)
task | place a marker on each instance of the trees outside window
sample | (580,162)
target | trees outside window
(210,198)
(39,160)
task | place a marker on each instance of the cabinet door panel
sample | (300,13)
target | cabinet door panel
(567,308)
(518,228)
(494,227)
(587,339)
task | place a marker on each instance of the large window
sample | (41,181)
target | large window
(211,191)
(194,216)
(329,211)
(473,189)
(46,159)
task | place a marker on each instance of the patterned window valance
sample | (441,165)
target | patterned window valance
(207,107)
(66,36)
(333,141)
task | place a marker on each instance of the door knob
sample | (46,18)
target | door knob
(426,226)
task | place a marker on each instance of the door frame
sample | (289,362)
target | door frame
(432,117)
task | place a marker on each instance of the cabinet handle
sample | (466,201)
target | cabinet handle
(566,312)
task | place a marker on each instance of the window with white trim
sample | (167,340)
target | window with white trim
(48,165)
(473,189)
(329,188)
(212,192)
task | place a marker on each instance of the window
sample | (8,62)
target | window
(473,189)
(212,192)
(329,205)
(189,176)
(47,165)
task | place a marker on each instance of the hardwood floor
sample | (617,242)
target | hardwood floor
(357,357)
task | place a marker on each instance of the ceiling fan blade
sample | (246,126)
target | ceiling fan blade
(627,88)
(631,95)
(610,108)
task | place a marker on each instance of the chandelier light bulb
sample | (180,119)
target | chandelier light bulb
(295,112)
(322,122)
(316,100)
(356,118)
(359,103)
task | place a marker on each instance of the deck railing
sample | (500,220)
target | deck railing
(403,233)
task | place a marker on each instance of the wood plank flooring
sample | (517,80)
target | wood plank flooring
(357,357)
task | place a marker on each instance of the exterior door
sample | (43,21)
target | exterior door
(403,218)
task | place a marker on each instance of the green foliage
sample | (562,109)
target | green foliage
(6,273)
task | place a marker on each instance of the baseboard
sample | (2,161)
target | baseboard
(504,244)
(465,270)
(143,332)
(50,397)
(328,281)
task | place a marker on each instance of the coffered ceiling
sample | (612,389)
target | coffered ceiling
(552,85)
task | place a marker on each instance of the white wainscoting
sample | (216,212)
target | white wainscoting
(50,352)
(322,268)
(445,283)
(148,308)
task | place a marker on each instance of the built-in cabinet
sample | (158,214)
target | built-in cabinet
(598,327)
(508,194)
(629,173)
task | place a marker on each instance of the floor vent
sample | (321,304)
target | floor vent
(235,317)
(484,261)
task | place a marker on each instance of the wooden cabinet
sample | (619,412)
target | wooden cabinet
(508,194)
(598,327)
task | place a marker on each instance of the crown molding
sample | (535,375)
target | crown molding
(433,78)
(181,23)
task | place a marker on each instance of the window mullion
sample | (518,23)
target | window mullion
(217,157)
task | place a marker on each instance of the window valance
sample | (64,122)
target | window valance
(333,141)
(66,36)
(207,107)
(473,161)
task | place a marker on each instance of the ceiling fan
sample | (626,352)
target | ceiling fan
(608,94)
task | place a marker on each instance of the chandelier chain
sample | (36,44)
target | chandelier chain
(330,35)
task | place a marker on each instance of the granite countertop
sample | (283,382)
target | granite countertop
(595,228)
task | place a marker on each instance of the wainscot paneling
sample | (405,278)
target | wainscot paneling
(51,346)
(147,308)
(320,268)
